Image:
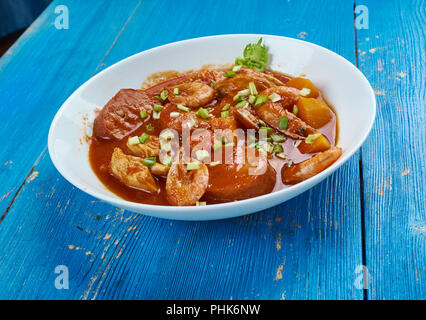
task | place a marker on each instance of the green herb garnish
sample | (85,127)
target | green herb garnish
(255,56)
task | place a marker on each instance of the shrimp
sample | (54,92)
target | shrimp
(246,118)
(158,169)
(311,167)
(272,113)
(242,79)
(185,187)
(191,94)
(150,148)
(288,96)
(131,171)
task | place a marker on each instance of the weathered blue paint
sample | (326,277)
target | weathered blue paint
(308,247)
(391,53)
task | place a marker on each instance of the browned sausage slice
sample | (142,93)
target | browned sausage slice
(121,115)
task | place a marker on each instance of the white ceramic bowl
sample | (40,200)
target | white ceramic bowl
(344,86)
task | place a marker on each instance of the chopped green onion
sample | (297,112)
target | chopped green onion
(226,107)
(191,123)
(167,161)
(203,113)
(224,114)
(278,137)
(237,68)
(231,144)
(268,147)
(157,97)
(229,74)
(275,97)
(176,91)
(192,166)
(164,94)
(217,145)
(281,155)
(304,92)
(148,127)
(311,138)
(252,99)
(260,100)
(214,164)
(277,148)
(144,137)
(268,130)
(262,123)
(200,203)
(289,163)
(241,104)
(143,114)
(202,154)
(252,145)
(297,143)
(133,141)
(283,123)
(149,161)
(295,110)
(156,115)
(241,94)
(174,114)
(167,135)
(224,139)
(252,88)
(158,107)
(183,108)
(212,83)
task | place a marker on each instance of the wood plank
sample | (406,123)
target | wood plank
(39,72)
(392,56)
(308,247)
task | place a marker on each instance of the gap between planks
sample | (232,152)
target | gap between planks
(361,178)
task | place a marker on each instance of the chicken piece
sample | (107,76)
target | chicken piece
(242,79)
(308,168)
(151,148)
(131,171)
(185,187)
(249,175)
(121,115)
(191,94)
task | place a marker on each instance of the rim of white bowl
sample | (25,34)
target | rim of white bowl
(214,207)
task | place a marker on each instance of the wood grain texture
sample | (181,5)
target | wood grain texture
(306,248)
(40,71)
(391,53)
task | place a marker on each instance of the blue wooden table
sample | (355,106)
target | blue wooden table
(366,219)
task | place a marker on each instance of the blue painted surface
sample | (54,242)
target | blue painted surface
(306,248)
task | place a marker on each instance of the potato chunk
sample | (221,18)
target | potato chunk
(314,112)
(131,171)
(318,144)
(300,83)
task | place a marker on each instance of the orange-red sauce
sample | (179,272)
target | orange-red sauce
(100,151)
